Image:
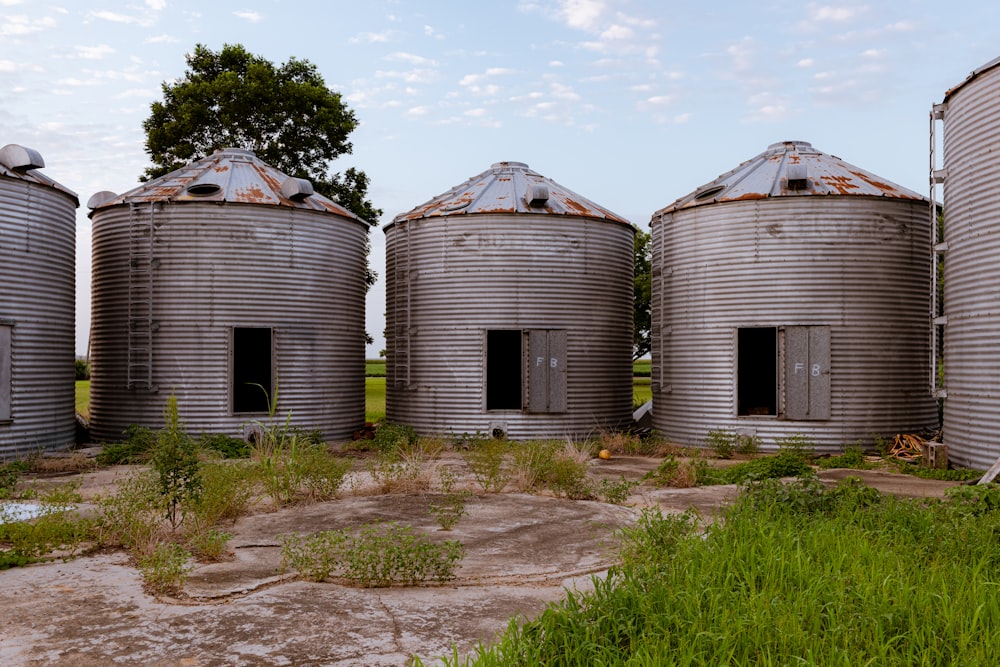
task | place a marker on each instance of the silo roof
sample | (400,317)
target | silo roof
(23,164)
(228,175)
(972,75)
(792,168)
(510,187)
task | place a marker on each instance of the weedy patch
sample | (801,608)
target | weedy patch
(165,568)
(449,508)
(375,556)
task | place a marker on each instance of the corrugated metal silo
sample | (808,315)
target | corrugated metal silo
(790,297)
(219,277)
(509,309)
(37,306)
(971,123)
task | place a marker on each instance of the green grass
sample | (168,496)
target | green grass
(641,390)
(374,399)
(83,398)
(375,368)
(642,367)
(793,575)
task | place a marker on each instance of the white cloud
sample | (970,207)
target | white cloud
(94,52)
(22,25)
(248,15)
(371,37)
(411,58)
(429,31)
(114,17)
(556,63)
(419,75)
(873,53)
(806,62)
(581,14)
(476,113)
(8,66)
(835,14)
(160,39)
(617,32)
(10,3)
(417,112)
(156,5)
(767,107)
(140,93)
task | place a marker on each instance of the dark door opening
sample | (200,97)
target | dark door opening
(504,365)
(757,374)
(252,390)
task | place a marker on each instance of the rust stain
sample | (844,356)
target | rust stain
(748,195)
(841,184)
(887,188)
(221,168)
(251,194)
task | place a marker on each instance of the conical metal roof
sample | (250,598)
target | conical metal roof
(792,168)
(510,187)
(228,175)
(23,164)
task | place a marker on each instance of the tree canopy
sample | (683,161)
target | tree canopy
(285,114)
(642,295)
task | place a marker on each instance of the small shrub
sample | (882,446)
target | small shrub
(974,500)
(131,516)
(798,445)
(531,463)
(449,509)
(748,445)
(226,445)
(322,474)
(9,474)
(175,460)
(853,457)
(375,556)
(653,540)
(943,474)
(390,437)
(722,442)
(674,473)
(489,465)
(227,490)
(786,463)
(567,477)
(135,448)
(54,530)
(82,369)
(616,492)
(210,545)
(398,471)
(165,568)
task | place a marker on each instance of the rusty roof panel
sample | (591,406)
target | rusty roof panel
(510,187)
(228,175)
(792,168)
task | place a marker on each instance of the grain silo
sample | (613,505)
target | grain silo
(227,283)
(509,310)
(37,306)
(790,297)
(971,298)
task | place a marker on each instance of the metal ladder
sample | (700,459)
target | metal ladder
(140,296)
(401,308)
(938,249)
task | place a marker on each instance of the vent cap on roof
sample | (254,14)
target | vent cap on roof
(21,158)
(296,189)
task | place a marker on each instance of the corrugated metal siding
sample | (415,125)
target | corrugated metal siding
(855,264)
(298,271)
(469,274)
(38,297)
(971,299)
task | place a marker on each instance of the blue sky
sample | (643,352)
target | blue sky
(630,103)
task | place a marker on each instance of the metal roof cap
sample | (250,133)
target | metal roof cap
(509,187)
(972,75)
(228,175)
(23,163)
(791,169)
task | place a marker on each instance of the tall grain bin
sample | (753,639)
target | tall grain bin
(509,310)
(227,283)
(37,306)
(790,297)
(971,123)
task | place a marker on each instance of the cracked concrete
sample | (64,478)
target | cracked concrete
(521,552)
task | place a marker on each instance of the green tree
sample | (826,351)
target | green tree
(642,295)
(285,114)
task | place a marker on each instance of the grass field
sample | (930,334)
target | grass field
(83,398)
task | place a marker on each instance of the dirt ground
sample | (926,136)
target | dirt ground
(521,552)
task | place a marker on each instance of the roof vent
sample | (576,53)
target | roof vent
(203,189)
(536,195)
(99,199)
(708,191)
(798,176)
(20,158)
(296,189)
